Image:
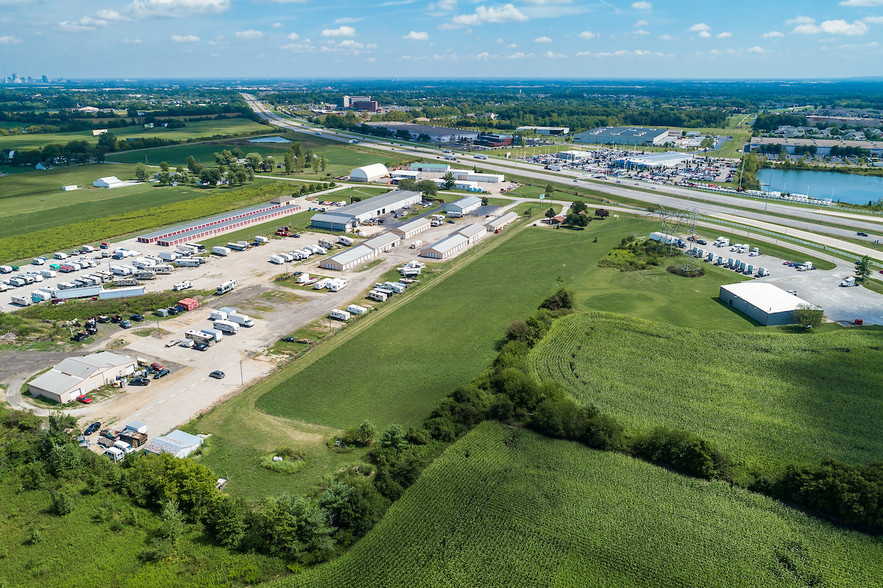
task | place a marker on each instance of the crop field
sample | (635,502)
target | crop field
(100,544)
(193,130)
(507,508)
(767,398)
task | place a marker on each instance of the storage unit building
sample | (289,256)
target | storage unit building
(463,206)
(206,227)
(369,173)
(446,247)
(411,228)
(75,376)
(763,302)
(349,258)
(501,221)
(178,443)
(349,216)
(383,243)
(473,232)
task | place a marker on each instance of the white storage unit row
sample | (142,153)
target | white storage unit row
(383,243)
(446,247)
(411,228)
(349,258)
(501,221)
(473,232)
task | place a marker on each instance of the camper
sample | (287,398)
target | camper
(200,337)
(217,315)
(277,260)
(378,296)
(226,287)
(416,244)
(848,282)
(40,296)
(337,284)
(60,255)
(123,446)
(22,300)
(195,262)
(325,244)
(303,278)
(261,240)
(356,309)
(340,315)
(228,327)
(185,285)
(168,255)
(345,241)
(222,251)
(38,261)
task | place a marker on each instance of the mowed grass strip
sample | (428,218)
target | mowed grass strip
(767,398)
(398,370)
(505,508)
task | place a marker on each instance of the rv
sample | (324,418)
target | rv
(226,287)
(356,309)
(217,315)
(188,262)
(340,315)
(378,296)
(185,285)
(345,241)
(22,300)
(326,244)
(240,319)
(200,337)
(222,251)
(228,327)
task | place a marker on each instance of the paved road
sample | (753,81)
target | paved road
(668,196)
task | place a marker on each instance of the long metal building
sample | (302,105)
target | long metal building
(347,217)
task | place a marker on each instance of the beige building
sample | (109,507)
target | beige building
(76,376)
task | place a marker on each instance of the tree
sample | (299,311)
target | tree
(316,164)
(863,269)
(602,213)
(172,520)
(550,213)
(578,206)
(210,176)
(141,172)
(428,187)
(366,432)
(393,438)
(165,178)
(226,520)
(164,166)
(575,219)
(289,162)
(323,162)
(550,190)
(807,315)
(449,181)
(269,163)
(254,160)
(407,184)
(193,165)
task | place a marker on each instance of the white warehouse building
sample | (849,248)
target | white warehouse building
(349,258)
(347,217)
(463,206)
(411,228)
(383,243)
(76,376)
(369,173)
(473,232)
(446,247)
(767,304)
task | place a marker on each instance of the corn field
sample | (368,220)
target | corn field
(511,508)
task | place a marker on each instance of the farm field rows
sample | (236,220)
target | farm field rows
(192,130)
(511,508)
(767,398)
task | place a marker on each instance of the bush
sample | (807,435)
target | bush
(682,451)
(562,299)
(226,520)
(292,461)
(62,502)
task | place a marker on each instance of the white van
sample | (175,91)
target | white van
(115,453)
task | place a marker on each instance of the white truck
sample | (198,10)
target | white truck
(340,315)
(221,251)
(185,285)
(846,283)
(228,327)
(168,255)
(240,320)
(115,454)
(217,315)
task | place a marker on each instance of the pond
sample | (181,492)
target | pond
(823,185)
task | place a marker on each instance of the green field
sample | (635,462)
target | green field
(100,543)
(193,130)
(766,398)
(511,508)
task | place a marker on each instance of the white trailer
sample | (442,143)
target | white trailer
(228,327)
(846,283)
(240,319)
(326,244)
(340,315)
(200,337)
(345,241)
(185,285)
(222,251)
(217,315)
(763,272)
(168,256)
(356,309)
(226,287)
(261,240)
(277,260)
(60,255)
(22,300)
(40,296)
(38,261)
(188,262)
(337,284)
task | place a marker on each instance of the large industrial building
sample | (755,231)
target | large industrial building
(545,130)
(76,376)
(623,136)
(347,217)
(462,206)
(221,223)
(435,134)
(767,304)
(822,146)
(369,173)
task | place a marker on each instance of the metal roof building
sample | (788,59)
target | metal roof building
(348,216)
(411,228)
(823,146)
(654,160)
(763,302)
(446,247)
(473,232)
(501,221)
(438,168)
(463,206)
(332,222)
(546,130)
(383,243)
(218,223)
(437,134)
(623,136)
(178,443)
(369,173)
(349,258)
(76,376)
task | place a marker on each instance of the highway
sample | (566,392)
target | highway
(809,224)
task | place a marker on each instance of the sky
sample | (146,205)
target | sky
(240,39)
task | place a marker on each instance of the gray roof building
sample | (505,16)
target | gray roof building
(348,216)
(76,376)
(349,258)
(623,136)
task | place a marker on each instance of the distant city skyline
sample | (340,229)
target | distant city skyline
(445,38)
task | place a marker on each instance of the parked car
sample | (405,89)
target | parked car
(116,318)
(126,324)
(137,318)
(156,366)
(108,433)
(92,428)
(173,310)
(200,346)
(289,339)
(217,374)
(702,241)
(161,373)
(173,342)
(305,341)
(84,399)
(103,318)
(139,381)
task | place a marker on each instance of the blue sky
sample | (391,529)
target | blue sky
(442,38)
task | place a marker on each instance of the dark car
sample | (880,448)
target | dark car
(217,374)
(296,235)
(139,381)
(161,373)
(126,324)
(92,428)
(173,310)
(450,221)
(103,318)
(200,346)
(137,318)
(116,318)
(702,241)
(289,339)
(79,336)
(862,234)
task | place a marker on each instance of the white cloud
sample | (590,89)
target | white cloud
(9,40)
(511,46)
(302,47)
(519,55)
(132,41)
(347,20)
(483,14)
(185,38)
(772,35)
(757,49)
(587,35)
(417,36)
(175,8)
(551,55)
(666,37)
(642,23)
(292,36)
(724,35)
(832,27)
(641,32)
(874,19)
(446,5)
(861,3)
(483,56)
(705,34)
(700,26)
(643,5)
(277,25)
(249,34)
(343,31)
(110,15)
(87,23)
(798,20)
(542,40)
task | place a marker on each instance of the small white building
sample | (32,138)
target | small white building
(76,376)
(446,247)
(69,188)
(473,232)
(109,182)
(178,443)
(383,243)
(369,173)
(349,258)
(763,302)
(463,206)
(411,228)
(501,221)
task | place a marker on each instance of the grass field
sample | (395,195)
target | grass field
(505,508)
(100,542)
(193,130)
(766,398)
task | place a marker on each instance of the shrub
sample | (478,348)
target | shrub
(682,451)
(62,502)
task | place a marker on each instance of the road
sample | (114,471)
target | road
(674,197)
